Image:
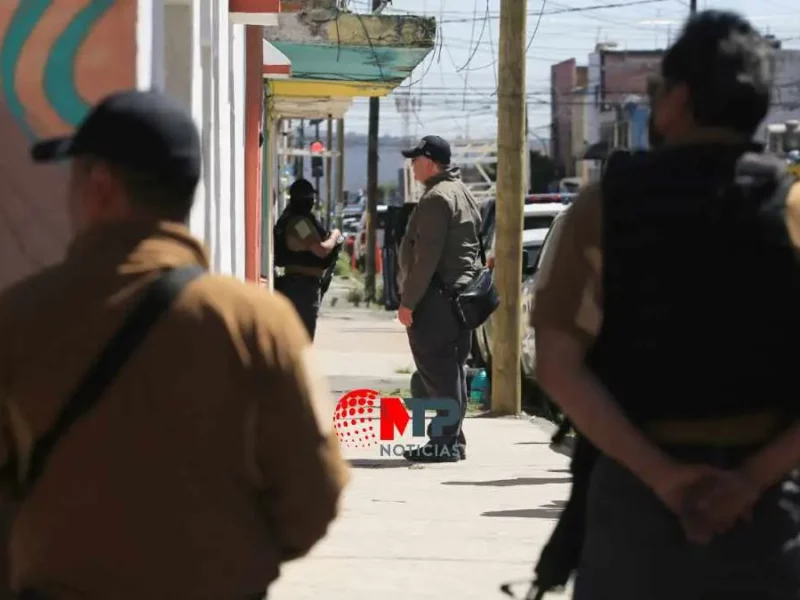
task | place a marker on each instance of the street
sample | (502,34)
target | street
(434,531)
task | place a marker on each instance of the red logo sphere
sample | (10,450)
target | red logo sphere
(354,418)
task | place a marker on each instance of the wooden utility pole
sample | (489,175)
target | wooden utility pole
(329,175)
(339,173)
(372,190)
(506,382)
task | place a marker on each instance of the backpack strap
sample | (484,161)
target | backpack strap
(156,301)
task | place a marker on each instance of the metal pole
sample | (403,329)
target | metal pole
(372,190)
(301,167)
(316,177)
(506,382)
(329,176)
(339,173)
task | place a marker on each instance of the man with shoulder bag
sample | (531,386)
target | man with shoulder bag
(445,290)
(146,405)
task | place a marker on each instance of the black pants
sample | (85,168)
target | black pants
(635,549)
(303,291)
(440,349)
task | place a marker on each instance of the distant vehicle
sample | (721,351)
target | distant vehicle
(570,185)
(538,218)
(783,139)
(361,237)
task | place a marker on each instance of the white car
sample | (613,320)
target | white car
(538,219)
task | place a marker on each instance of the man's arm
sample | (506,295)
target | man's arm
(770,465)
(432,219)
(310,240)
(296,450)
(566,317)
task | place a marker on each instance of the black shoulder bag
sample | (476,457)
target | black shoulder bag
(475,303)
(157,299)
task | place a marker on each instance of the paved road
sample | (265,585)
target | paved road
(432,532)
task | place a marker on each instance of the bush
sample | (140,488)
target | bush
(355,296)
(342,268)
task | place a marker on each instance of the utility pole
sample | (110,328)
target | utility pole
(692,6)
(339,173)
(506,382)
(329,175)
(301,144)
(372,189)
(316,175)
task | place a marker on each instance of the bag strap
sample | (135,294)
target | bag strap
(156,300)
(481,249)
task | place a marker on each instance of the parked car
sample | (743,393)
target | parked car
(529,297)
(538,218)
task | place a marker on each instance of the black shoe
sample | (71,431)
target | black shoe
(435,453)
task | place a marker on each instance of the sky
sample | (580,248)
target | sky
(452,90)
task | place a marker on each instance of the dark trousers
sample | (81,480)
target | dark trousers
(635,549)
(440,349)
(303,291)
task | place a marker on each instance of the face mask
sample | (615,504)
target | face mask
(302,205)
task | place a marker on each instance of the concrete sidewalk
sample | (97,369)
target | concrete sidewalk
(449,531)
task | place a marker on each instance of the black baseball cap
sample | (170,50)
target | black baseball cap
(146,130)
(301,188)
(432,146)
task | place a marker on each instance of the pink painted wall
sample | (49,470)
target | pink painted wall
(36,103)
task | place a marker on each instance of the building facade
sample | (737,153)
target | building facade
(59,58)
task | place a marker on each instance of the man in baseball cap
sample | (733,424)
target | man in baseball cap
(439,251)
(135,153)
(185,441)
(432,147)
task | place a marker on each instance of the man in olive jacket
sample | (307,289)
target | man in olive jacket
(439,255)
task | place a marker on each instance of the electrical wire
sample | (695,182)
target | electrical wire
(536,27)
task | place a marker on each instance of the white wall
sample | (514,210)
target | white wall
(204,67)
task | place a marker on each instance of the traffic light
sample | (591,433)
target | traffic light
(317,165)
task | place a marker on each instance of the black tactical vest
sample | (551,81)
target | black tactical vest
(284,257)
(701,285)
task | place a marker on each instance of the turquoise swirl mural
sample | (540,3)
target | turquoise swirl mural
(22,24)
(59,76)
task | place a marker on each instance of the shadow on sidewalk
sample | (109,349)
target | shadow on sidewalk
(512,482)
(380,463)
(552,510)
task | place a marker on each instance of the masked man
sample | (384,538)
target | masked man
(304,249)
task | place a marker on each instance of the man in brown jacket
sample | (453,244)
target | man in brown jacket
(210,459)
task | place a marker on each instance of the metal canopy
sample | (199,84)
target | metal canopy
(477,154)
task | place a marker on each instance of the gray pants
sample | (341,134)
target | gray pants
(440,349)
(303,291)
(635,550)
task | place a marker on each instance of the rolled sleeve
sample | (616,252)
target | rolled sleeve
(432,219)
(567,288)
(793,217)
(297,453)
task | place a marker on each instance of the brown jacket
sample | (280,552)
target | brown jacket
(210,460)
